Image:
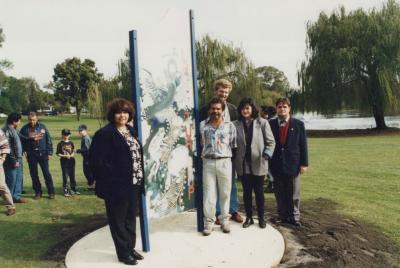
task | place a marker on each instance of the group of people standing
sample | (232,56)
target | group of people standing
(35,142)
(235,140)
(239,140)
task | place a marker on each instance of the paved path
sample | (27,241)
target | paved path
(175,243)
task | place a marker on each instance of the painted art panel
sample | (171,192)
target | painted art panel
(167,113)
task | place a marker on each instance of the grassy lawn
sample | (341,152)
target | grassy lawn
(26,238)
(361,174)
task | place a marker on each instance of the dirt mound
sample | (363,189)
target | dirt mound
(328,239)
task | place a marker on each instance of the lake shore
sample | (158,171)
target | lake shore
(335,133)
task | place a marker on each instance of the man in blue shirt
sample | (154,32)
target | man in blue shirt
(218,138)
(37,144)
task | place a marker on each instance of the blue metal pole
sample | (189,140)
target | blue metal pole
(198,173)
(133,55)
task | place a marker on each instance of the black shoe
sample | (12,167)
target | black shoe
(37,196)
(276,220)
(294,222)
(248,222)
(262,224)
(129,260)
(136,255)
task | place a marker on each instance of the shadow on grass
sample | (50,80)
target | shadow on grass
(59,191)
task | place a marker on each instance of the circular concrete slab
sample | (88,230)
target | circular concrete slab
(175,243)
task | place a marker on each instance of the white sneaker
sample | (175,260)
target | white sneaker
(208,228)
(226,227)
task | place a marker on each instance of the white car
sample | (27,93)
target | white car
(2,115)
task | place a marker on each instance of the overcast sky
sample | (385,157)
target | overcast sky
(41,33)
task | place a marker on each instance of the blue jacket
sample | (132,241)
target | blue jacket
(15,146)
(288,158)
(43,146)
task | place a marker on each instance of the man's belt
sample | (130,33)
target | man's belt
(216,157)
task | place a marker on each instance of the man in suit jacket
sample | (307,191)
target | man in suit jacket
(222,89)
(290,159)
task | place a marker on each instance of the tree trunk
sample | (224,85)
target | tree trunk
(377,100)
(379,119)
(78,112)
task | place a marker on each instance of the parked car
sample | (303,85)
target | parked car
(47,111)
(2,115)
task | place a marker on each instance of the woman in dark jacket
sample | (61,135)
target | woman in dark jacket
(115,158)
(255,145)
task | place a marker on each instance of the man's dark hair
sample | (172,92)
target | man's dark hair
(283,100)
(119,105)
(13,117)
(247,101)
(216,100)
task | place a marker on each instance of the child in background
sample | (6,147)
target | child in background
(65,150)
(84,150)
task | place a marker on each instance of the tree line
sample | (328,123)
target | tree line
(352,61)
(78,82)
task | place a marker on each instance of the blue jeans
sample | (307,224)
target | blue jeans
(14,180)
(34,159)
(234,201)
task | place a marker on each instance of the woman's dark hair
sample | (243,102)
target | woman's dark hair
(215,100)
(247,101)
(13,117)
(270,111)
(119,105)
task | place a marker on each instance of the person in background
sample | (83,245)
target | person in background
(36,142)
(13,163)
(255,145)
(269,112)
(65,150)
(116,160)
(222,89)
(289,161)
(4,191)
(84,151)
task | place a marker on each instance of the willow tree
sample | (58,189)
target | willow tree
(217,60)
(353,61)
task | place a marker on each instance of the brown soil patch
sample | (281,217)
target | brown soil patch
(328,239)
(352,132)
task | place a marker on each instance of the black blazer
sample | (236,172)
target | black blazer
(110,159)
(232,112)
(288,158)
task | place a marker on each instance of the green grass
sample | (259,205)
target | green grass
(26,238)
(360,174)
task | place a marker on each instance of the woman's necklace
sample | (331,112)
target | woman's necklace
(122,129)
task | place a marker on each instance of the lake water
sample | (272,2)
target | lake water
(344,121)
